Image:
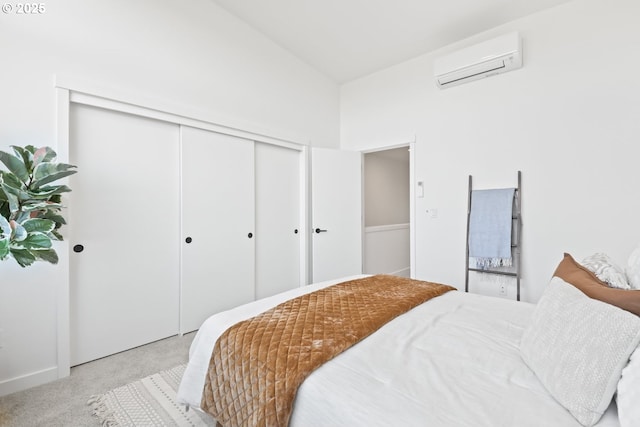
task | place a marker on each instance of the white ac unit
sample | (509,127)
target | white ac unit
(475,62)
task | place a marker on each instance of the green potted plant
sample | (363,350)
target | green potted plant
(30,204)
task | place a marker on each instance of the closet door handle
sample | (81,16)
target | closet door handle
(78,248)
(319,230)
(250,235)
(188,240)
(295,231)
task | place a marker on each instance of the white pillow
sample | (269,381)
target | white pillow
(628,397)
(606,270)
(577,347)
(633,269)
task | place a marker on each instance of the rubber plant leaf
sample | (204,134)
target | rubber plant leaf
(22,256)
(5,234)
(48,191)
(5,228)
(58,219)
(45,173)
(22,217)
(14,204)
(16,191)
(13,181)
(39,225)
(48,255)
(15,165)
(25,154)
(40,205)
(19,233)
(4,248)
(35,241)
(42,155)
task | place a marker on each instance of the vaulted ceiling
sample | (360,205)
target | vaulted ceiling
(347,39)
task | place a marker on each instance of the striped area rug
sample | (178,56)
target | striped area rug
(147,402)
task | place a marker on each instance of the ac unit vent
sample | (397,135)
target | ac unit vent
(485,59)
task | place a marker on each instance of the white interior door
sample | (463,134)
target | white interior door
(336,211)
(125,214)
(277,219)
(217,224)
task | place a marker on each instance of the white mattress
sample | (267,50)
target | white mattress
(452,361)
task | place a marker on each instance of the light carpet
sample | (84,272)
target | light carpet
(150,401)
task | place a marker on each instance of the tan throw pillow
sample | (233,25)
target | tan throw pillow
(579,276)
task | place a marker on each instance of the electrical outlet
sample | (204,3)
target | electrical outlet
(502,290)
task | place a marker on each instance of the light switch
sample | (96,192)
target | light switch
(420,189)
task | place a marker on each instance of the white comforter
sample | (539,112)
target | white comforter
(452,361)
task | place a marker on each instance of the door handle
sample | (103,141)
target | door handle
(319,230)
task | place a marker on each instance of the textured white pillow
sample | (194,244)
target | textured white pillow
(633,269)
(577,347)
(628,398)
(606,270)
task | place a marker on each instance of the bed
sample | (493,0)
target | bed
(455,360)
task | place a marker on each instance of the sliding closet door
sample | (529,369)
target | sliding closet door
(217,224)
(124,211)
(277,219)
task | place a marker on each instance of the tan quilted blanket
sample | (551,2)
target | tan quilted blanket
(258,364)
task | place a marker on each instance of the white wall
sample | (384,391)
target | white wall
(386,250)
(192,55)
(568,120)
(386,187)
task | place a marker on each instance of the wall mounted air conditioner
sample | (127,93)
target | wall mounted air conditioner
(475,62)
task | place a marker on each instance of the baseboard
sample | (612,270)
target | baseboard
(27,381)
(405,272)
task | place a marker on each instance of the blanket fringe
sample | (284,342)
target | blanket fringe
(100,410)
(487,263)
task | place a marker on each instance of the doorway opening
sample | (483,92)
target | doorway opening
(387,231)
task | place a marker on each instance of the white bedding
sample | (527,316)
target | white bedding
(452,361)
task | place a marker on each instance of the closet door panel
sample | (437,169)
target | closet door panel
(124,211)
(277,219)
(217,224)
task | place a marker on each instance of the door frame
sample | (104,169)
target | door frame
(411,145)
(70,90)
